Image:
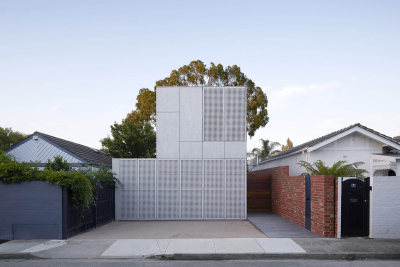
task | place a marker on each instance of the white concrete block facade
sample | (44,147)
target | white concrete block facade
(210,119)
(200,170)
(385,207)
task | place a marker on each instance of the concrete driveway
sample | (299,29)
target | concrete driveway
(172,230)
(278,227)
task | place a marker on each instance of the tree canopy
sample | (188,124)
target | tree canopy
(130,139)
(289,145)
(267,149)
(8,137)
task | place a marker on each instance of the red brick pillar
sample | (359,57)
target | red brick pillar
(323,203)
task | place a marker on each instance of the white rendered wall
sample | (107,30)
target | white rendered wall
(40,151)
(385,207)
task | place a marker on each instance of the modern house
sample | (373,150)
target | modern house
(200,169)
(356,143)
(40,148)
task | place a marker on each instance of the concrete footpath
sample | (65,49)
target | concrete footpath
(206,249)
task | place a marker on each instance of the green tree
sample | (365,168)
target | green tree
(196,73)
(145,107)
(58,164)
(267,149)
(289,145)
(130,139)
(338,169)
(8,137)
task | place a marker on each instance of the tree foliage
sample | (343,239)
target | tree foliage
(196,73)
(58,164)
(338,169)
(8,137)
(145,107)
(130,139)
(289,145)
(267,149)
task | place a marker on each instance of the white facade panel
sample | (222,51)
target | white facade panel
(167,135)
(235,150)
(191,113)
(213,150)
(385,207)
(167,99)
(191,150)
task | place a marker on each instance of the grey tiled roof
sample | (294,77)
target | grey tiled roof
(325,137)
(88,154)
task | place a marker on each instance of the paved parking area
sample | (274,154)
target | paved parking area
(275,226)
(173,230)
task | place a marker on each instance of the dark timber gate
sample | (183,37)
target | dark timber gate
(258,192)
(355,207)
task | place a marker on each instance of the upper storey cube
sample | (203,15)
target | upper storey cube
(201,122)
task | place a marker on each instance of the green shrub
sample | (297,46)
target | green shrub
(58,164)
(82,182)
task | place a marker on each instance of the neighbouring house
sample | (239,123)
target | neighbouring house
(380,153)
(40,148)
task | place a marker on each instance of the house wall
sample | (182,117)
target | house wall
(352,148)
(288,199)
(30,210)
(40,151)
(385,207)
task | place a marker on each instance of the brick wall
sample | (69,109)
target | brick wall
(288,199)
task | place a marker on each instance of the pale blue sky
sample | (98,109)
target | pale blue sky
(72,68)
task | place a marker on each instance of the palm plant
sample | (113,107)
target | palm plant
(339,169)
(267,149)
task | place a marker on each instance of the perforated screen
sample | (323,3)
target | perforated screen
(168,189)
(235,113)
(147,192)
(192,180)
(213,114)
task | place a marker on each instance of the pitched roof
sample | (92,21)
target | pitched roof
(326,137)
(87,154)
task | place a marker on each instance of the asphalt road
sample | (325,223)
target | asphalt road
(146,263)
